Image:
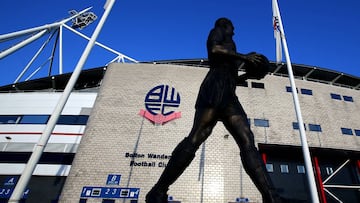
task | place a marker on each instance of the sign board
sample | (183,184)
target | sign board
(113,179)
(5,193)
(109,192)
(10,181)
(8,188)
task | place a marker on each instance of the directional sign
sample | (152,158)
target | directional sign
(113,179)
(109,192)
(10,181)
(7,188)
(5,193)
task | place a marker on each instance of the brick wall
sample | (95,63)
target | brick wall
(115,128)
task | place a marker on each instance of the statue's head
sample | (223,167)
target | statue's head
(225,25)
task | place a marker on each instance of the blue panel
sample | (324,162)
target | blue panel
(306,91)
(296,126)
(113,179)
(109,192)
(357,132)
(315,127)
(335,96)
(8,119)
(348,98)
(261,122)
(346,131)
(5,193)
(34,119)
(289,89)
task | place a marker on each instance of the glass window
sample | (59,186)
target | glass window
(288,89)
(269,168)
(335,96)
(242,84)
(300,168)
(108,201)
(261,122)
(346,131)
(73,119)
(82,119)
(296,126)
(357,132)
(315,127)
(9,119)
(257,85)
(284,168)
(348,98)
(306,91)
(34,119)
(329,170)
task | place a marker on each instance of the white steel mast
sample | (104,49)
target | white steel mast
(305,147)
(40,146)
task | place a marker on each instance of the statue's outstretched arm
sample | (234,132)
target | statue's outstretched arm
(251,57)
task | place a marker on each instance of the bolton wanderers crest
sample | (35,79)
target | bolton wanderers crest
(161,103)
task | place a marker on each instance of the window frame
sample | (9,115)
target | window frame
(335,96)
(259,122)
(300,169)
(4,119)
(347,131)
(284,168)
(258,85)
(37,120)
(348,98)
(72,120)
(306,91)
(296,126)
(315,127)
(289,89)
(269,167)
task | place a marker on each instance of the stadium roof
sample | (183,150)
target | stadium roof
(304,72)
(91,78)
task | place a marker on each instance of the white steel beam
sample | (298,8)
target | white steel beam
(22,44)
(20,33)
(40,146)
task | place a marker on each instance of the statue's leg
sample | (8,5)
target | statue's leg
(183,154)
(254,166)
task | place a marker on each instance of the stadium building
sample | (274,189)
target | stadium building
(121,122)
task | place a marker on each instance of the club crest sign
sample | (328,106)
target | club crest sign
(161,103)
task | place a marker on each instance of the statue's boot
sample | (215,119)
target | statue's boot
(255,168)
(181,157)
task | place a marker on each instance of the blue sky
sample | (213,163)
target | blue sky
(321,33)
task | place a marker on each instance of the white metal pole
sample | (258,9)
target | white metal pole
(33,59)
(305,147)
(61,50)
(42,30)
(12,35)
(40,146)
(99,44)
(21,44)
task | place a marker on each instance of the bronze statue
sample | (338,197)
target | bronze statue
(217,101)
